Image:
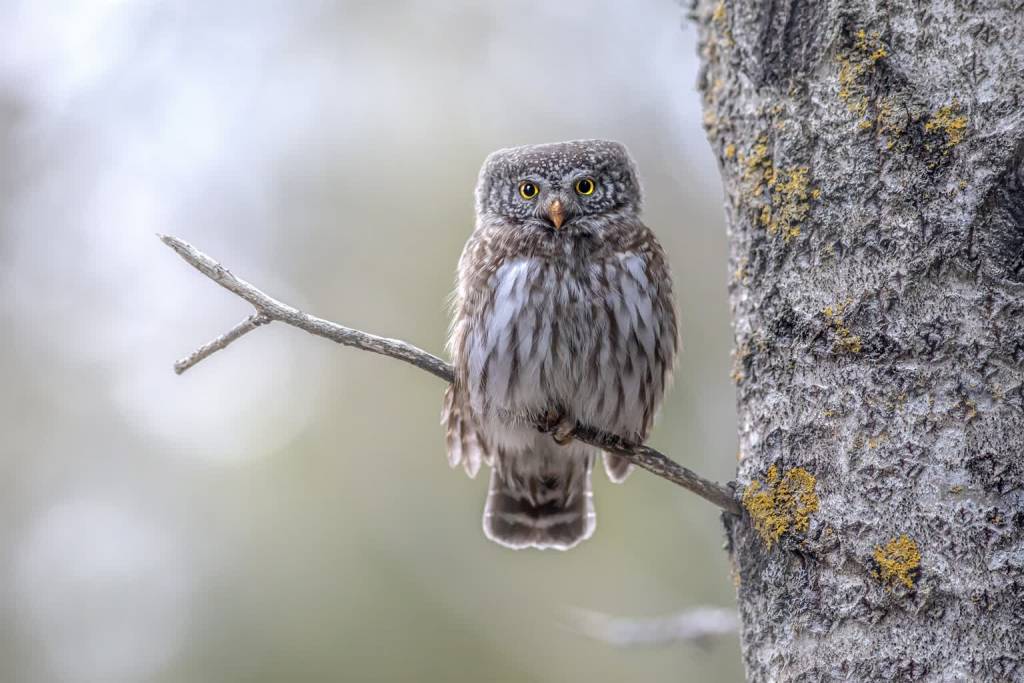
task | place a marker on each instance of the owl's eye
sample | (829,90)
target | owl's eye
(585,186)
(528,190)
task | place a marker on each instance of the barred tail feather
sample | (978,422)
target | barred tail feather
(543,512)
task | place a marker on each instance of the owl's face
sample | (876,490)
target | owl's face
(558,187)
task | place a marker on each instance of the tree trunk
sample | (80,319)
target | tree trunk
(872,155)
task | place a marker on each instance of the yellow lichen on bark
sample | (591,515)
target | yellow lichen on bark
(892,123)
(845,339)
(948,121)
(718,14)
(737,363)
(898,561)
(757,167)
(876,441)
(854,65)
(782,503)
(720,23)
(790,203)
(784,195)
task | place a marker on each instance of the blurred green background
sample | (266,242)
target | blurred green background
(284,511)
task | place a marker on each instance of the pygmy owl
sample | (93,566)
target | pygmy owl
(563,315)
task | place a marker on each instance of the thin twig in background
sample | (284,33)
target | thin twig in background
(694,625)
(269,309)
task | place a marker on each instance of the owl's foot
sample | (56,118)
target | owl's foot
(555,423)
(550,420)
(564,432)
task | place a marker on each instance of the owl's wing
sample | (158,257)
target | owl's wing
(650,324)
(464,438)
(466,443)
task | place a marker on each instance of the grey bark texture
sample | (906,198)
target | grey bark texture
(872,157)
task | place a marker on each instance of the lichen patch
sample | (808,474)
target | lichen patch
(898,562)
(781,503)
(892,123)
(790,203)
(720,24)
(948,122)
(757,167)
(855,64)
(782,197)
(718,14)
(846,341)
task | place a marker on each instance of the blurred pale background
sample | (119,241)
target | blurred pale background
(284,511)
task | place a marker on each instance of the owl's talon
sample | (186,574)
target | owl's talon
(551,420)
(564,433)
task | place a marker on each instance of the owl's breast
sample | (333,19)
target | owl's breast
(516,345)
(581,335)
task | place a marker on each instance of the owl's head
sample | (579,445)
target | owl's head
(558,186)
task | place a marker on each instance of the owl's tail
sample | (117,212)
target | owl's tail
(542,508)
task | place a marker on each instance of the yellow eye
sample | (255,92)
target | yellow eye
(528,190)
(585,186)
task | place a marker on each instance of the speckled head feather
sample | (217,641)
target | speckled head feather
(555,167)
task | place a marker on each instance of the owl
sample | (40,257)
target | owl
(563,316)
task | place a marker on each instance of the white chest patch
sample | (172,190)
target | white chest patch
(588,343)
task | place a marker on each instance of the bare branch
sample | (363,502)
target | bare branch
(660,464)
(244,327)
(269,309)
(276,310)
(694,625)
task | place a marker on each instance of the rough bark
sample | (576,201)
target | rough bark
(872,156)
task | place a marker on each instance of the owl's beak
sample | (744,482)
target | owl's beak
(556,213)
